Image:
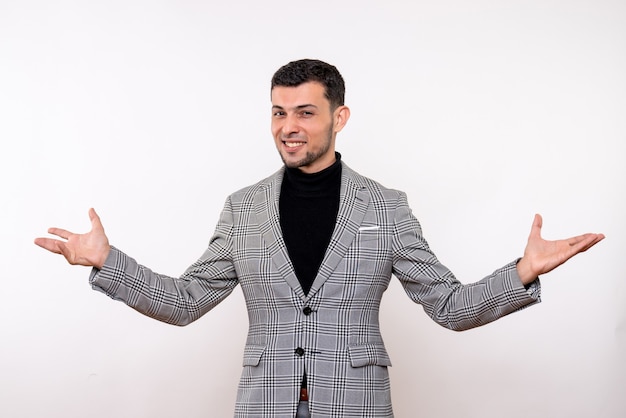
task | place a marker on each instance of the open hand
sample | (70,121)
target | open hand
(90,249)
(542,256)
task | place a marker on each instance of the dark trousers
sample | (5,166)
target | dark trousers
(303,410)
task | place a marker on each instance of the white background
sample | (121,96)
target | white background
(484,112)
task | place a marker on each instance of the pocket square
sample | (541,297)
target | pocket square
(369,228)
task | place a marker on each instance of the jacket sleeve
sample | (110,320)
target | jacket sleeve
(177,301)
(447,301)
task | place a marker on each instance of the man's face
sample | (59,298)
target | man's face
(304,126)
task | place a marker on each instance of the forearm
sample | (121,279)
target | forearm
(177,301)
(458,306)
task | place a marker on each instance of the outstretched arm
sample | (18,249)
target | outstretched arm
(542,256)
(90,249)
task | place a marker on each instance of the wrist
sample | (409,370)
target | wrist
(525,272)
(102,258)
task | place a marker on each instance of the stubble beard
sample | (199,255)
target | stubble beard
(311,157)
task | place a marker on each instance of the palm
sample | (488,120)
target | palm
(89,249)
(542,256)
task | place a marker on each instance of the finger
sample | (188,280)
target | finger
(582,243)
(66,252)
(599,237)
(581,238)
(48,244)
(60,232)
(589,240)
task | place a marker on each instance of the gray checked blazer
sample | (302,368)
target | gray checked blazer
(333,332)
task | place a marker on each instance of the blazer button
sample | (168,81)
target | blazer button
(300,351)
(307,311)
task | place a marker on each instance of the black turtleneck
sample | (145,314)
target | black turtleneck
(308,212)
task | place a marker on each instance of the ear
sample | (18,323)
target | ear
(341,116)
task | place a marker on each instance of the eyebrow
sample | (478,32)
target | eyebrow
(295,107)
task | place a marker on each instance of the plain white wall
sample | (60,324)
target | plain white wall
(484,112)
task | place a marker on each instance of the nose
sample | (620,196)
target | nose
(290,125)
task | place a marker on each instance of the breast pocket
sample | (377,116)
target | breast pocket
(368,233)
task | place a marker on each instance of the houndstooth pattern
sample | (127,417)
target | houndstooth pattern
(333,331)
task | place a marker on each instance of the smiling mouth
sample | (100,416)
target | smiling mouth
(293,144)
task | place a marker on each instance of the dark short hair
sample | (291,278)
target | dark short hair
(305,70)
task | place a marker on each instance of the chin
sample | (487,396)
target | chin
(292,162)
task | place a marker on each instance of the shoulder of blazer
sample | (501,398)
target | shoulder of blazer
(268,184)
(376,190)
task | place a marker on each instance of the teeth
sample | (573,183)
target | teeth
(293,144)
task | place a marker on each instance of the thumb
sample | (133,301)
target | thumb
(96,224)
(535,230)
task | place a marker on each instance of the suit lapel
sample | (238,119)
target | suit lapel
(353,202)
(266,211)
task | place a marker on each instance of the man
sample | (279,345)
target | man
(314,247)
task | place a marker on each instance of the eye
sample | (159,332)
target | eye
(306,114)
(278,113)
